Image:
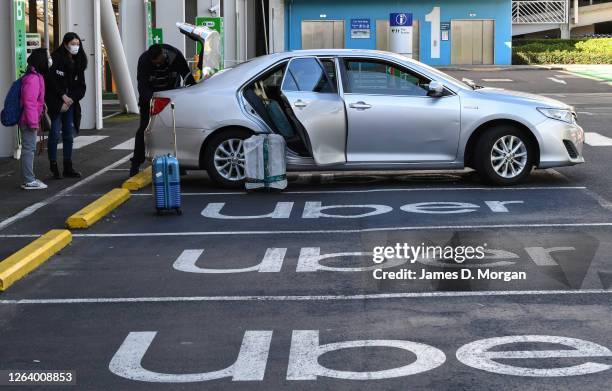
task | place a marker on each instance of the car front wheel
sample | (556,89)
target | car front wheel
(504,156)
(224,158)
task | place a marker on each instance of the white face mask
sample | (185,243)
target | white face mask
(73,49)
(50,62)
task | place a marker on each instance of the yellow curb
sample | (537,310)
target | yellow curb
(138,181)
(93,212)
(31,256)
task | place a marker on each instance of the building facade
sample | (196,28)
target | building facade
(443,31)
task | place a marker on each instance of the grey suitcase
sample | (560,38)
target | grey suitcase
(266,167)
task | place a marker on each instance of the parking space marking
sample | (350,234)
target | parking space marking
(83,141)
(330,231)
(408,189)
(33,208)
(557,80)
(368,296)
(498,80)
(125,146)
(597,140)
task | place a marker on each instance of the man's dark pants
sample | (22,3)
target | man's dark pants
(139,144)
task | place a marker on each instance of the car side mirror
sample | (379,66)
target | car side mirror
(436,89)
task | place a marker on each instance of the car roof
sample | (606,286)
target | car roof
(247,70)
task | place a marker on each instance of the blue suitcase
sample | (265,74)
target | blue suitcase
(167,178)
(167,184)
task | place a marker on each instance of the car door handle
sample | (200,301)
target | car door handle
(360,106)
(300,104)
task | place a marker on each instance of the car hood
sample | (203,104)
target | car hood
(502,94)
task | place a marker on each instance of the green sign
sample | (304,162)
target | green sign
(19,29)
(149,22)
(157,36)
(214,23)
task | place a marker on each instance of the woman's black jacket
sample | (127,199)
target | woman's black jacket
(64,77)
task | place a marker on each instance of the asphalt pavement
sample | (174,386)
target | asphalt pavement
(280,290)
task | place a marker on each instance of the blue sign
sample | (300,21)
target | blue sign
(360,24)
(360,28)
(400,20)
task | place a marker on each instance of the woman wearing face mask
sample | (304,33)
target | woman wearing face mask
(65,85)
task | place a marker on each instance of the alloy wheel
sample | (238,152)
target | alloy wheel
(509,156)
(229,159)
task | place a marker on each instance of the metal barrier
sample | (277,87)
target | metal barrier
(540,12)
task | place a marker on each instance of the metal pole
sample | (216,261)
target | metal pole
(263,16)
(46,27)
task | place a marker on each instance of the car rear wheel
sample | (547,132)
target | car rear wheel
(504,156)
(224,158)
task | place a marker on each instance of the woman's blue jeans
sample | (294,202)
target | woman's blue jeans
(64,123)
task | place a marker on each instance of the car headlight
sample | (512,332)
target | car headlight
(565,115)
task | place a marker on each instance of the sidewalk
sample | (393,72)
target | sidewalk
(602,72)
(497,68)
(96,151)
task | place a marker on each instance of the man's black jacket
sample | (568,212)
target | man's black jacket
(177,68)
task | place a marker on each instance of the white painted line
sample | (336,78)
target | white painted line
(498,80)
(125,146)
(568,76)
(33,208)
(557,80)
(597,140)
(83,141)
(372,296)
(329,231)
(388,190)
(112,115)
(586,113)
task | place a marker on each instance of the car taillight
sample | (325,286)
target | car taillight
(158,105)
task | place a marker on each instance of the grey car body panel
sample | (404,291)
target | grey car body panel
(415,128)
(324,120)
(217,103)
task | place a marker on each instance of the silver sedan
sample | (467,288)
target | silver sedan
(362,110)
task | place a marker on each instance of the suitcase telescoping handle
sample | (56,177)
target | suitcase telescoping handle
(174,129)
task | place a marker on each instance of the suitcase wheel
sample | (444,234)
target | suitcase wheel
(179,211)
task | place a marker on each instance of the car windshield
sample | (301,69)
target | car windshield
(437,72)
(446,76)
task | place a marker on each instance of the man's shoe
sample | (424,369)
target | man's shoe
(134,169)
(69,171)
(55,171)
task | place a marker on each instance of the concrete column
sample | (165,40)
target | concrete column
(7,74)
(133,34)
(277,26)
(167,13)
(116,57)
(245,19)
(83,17)
(231,36)
(565,31)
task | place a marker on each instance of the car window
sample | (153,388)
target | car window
(306,75)
(275,78)
(381,78)
(330,69)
